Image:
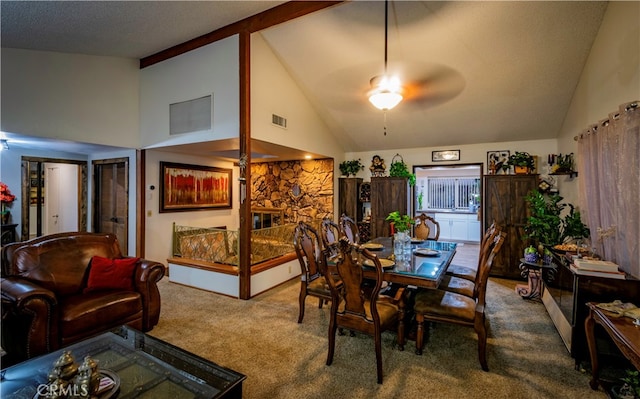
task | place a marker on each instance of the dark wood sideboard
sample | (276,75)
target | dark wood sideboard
(566,295)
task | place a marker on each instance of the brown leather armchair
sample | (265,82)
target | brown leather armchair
(45,301)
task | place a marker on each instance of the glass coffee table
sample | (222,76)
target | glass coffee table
(147,368)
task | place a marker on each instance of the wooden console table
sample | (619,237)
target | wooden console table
(622,331)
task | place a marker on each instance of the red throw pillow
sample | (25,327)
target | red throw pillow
(111,274)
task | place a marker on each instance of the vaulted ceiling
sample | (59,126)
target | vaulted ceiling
(475,71)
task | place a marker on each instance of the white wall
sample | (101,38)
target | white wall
(273,91)
(611,76)
(212,69)
(476,153)
(70,97)
(159,226)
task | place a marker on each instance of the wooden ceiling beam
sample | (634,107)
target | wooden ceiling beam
(274,16)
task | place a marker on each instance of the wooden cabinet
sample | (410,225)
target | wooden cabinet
(388,194)
(349,197)
(504,203)
(565,296)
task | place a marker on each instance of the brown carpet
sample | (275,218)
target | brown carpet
(283,359)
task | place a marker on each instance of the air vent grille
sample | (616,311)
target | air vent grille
(190,116)
(279,121)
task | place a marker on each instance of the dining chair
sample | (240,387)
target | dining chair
(357,306)
(311,258)
(349,228)
(330,234)
(465,286)
(435,305)
(470,273)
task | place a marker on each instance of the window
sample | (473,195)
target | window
(450,192)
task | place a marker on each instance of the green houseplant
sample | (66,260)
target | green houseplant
(348,168)
(545,224)
(522,162)
(401,223)
(631,386)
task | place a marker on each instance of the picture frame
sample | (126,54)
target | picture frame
(495,160)
(185,187)
(445,155)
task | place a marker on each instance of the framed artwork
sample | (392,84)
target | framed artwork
(193,187)
(496,159)
(447,155)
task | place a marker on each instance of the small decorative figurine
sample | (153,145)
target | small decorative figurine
(377,167)
(68,380)
(65,367)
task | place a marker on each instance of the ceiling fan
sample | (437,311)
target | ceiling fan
(412,85)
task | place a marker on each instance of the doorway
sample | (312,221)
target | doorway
(111,199)
(53,196)
(452,195)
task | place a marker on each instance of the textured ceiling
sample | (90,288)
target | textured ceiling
(479,71)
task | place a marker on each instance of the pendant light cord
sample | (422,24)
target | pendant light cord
(386,33)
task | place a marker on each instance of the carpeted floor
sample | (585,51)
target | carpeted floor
(283,359)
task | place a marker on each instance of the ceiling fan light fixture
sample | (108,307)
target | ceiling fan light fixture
(386,92)
(385,100)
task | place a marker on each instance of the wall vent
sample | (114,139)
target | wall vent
(190,116)
(279,121)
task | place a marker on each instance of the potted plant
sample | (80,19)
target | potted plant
(399,169)
(6,199)
(401,237)
(522,162)
(401,223)
(348,168)
(572,226)
(630,389)
(546,226)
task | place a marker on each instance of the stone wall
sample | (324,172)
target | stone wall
(273,186)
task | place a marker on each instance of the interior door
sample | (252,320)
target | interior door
(52,206)
(111,199)
(69,196)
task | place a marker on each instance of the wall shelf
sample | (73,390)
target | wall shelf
(571,174)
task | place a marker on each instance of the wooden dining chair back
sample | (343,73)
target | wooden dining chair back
(436,305)
(467,282)
(349,228)
(421,229)
(426,228)
(311,258)
(470,273)
(330,234)
(357,306)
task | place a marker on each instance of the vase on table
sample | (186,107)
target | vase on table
(398,246)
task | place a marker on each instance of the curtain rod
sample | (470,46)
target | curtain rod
(629,107)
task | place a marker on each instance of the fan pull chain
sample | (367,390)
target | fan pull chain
(385,122)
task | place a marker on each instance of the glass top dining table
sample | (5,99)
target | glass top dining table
(421,271)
